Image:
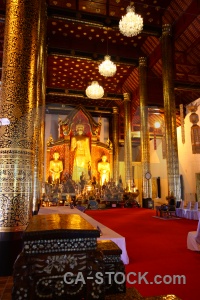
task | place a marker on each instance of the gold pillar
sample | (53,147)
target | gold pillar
(170,113)
(40,111)
(18,104)
(115,145)
(144,130)
(127,141)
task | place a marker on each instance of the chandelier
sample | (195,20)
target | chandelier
(131,24)
(107,68)
(94,91)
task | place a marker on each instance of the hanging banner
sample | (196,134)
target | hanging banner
(182,123)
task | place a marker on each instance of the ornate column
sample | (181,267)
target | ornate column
(19,104)
(127,141)
(170,113)
(115,145)
(40,110)
(144,131)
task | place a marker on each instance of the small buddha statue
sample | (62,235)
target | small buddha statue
(56,167)
(104,170)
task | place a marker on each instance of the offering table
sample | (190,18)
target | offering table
(57,249)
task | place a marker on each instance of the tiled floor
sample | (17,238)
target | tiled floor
(6,284)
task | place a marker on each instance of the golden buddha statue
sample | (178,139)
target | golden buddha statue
(104,170)
(56,167)
(80,144)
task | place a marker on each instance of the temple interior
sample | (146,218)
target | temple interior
(95,113)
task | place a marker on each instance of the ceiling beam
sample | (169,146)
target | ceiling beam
(82,96)
(187,86)
(63,108)
(96,20)
(90,56)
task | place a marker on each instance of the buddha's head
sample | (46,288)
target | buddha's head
(79,128)
(104,158)
(56,155)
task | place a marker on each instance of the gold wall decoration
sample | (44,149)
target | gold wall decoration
(154,188)
(154,139)
(195,129)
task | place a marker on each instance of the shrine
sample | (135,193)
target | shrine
(79,147)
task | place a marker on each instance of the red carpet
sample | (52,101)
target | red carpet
(158,247)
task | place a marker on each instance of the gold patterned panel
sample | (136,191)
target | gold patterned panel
(154,188)
(15,188)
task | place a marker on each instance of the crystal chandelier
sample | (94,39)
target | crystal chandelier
(94,91)
(131,24)
(107,68)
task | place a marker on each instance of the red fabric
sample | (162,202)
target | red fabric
(156,246)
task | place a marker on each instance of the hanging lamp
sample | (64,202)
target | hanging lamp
(131,24)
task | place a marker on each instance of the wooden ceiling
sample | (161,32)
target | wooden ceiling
(80,33)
